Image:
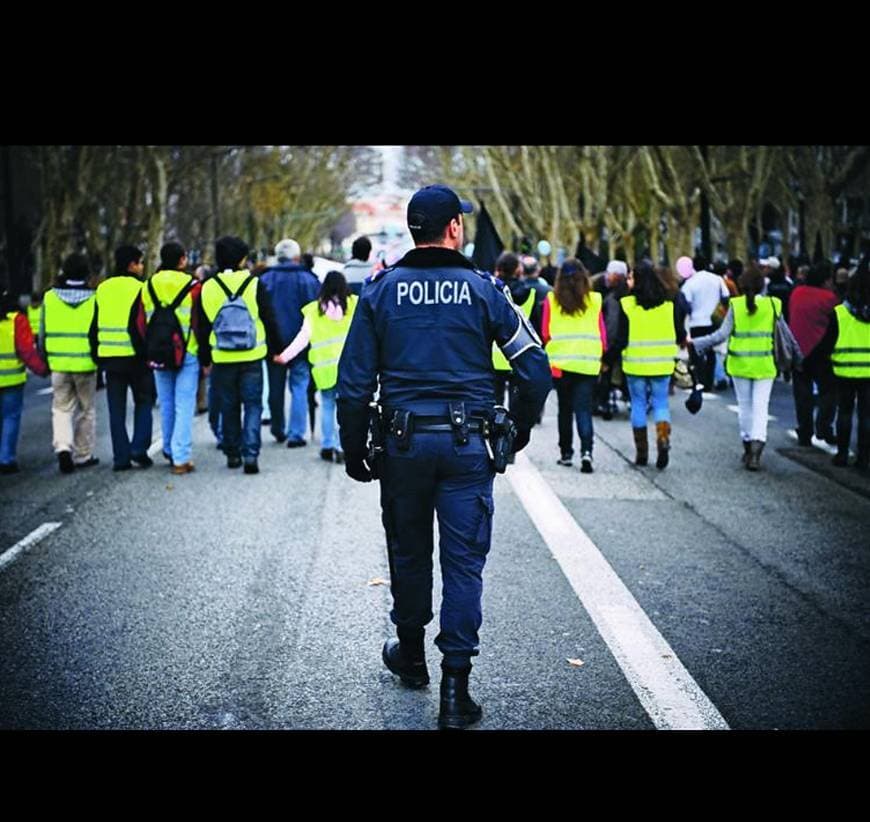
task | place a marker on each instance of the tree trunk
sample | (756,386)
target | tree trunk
(157,210)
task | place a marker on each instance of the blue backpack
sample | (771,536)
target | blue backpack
(234,327)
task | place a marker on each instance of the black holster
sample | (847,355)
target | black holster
(377,440)
(503,432)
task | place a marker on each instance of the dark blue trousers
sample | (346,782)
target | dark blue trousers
(240,384)
(435,475)
(140,380)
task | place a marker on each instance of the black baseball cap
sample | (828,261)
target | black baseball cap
(432,207)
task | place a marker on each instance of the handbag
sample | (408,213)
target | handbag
(786,351)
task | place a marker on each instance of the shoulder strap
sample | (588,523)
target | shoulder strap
(243,286)
(222,284)
(153,295)
(181,294)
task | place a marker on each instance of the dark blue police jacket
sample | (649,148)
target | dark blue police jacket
(425,327)
(290,286)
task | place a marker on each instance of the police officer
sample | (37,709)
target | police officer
(425,329)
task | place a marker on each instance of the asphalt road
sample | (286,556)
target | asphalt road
(223,601)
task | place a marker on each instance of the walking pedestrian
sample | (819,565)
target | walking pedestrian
(811,322)
(424,328)
(325,326)
(575,338)
(171,287)
(851,362)
(17,353)
(120,348)
(290,286)
(67,328)
(652,323)
(507,269)
(703,291)
(749,327)
(237,328)
(358,266)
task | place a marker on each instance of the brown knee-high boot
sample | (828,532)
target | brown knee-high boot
(663,443)
(641,445)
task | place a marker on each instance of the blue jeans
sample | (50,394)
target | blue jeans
(575,393)
(11,403)
(297,375)
(436,475)
(656,388)
(328,425)
(139,380)
(240,384)
(177,393)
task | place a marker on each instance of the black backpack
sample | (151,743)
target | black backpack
(165,343)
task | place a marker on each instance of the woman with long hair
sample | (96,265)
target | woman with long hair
(575,338)
(651,325)
(325,325)
(748,327)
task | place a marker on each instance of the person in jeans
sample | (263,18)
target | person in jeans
(290,286)
(575,338)
(651,325)
(325,326)
(238,373)
(810,320)
(17,353)
(65,326)
(176,389)
(851,363)
(118,345)
(748,327)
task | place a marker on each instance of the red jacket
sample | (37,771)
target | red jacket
(810,312)
(25,346)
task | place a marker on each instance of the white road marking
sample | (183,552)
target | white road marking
(736,410)
(44,391)
(667,691)
(29,541)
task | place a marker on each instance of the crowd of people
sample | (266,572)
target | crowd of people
(224,341)
(239,333)
(621,329)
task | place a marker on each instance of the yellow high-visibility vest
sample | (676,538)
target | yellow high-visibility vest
(652,348)
(213,298)
(33,313)
(115,298)
(575,339)
(327,341)
(66,334)
(851,355)
(750,347)
(12,371)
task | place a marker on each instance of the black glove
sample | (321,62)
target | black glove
(522,439)
(356,468)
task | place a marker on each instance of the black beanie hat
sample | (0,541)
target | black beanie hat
(75,269)
(229,252)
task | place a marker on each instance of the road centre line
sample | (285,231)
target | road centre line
(34,537)
(666,690)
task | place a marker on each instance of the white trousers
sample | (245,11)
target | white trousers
(753,398)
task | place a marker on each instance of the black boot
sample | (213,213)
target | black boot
(458,709)
(755,449)
(747,449)
(410,667)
